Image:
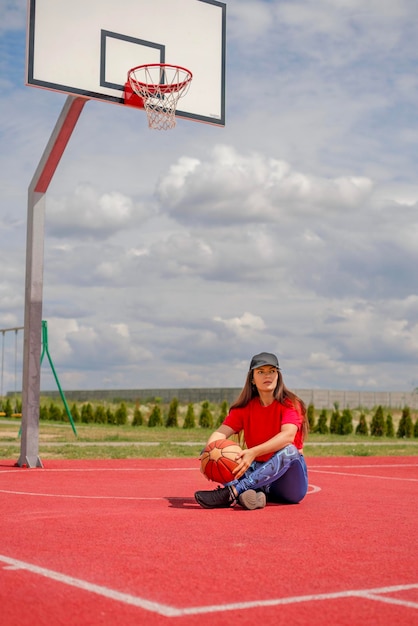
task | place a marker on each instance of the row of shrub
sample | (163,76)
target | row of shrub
(341,423)
(206,415)
(7,409)
(151,416)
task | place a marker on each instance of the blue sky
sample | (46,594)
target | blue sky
(169,262)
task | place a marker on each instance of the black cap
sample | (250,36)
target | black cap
(264,358)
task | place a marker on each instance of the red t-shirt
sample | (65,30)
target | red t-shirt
(261,423)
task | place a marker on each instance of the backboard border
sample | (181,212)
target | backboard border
(95,95)
(108,34)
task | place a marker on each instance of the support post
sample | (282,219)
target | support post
(45,350)
(31,383)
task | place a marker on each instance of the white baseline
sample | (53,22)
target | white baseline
(377,595)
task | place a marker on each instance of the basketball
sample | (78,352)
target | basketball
(218,460)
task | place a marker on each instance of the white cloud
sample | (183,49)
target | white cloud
(12,15)
(238,188)
(244,324)
(88,213)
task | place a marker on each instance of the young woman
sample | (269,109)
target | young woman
(274,423)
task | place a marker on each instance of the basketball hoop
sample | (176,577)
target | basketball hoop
(160,86)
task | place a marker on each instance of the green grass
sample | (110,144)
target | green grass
(94,441)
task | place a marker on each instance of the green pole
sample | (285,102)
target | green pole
(45,350)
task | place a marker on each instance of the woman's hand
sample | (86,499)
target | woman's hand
(245,458)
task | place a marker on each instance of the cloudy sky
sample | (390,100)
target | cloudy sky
(172,257)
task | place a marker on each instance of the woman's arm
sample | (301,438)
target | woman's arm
(285,437)
(223,432)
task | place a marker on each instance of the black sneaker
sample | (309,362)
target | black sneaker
(220,498)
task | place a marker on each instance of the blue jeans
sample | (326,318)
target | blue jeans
(283,478)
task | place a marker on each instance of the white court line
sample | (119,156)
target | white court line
(170,611)
(319,468)
(370,595)
(19,470)
(104,469)
(313,489)
(366,465)
(78,497)
(320,471)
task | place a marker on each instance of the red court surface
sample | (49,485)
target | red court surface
(123,542)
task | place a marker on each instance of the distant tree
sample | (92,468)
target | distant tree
(121,414)
(43,412)
(311,416)
(190,419)
(138,418)
(100,414)
(345,425)
(155,419)
(172,420)
(416,428)
(54,413)
(222,413)
(334,425)
(389,427)
(322,427)
(362,428)
(377,425)
(405,427)
(110,416)
(75,413)
(87,415)
(8,408)
(206,417)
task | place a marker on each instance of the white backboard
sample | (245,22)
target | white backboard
(86,47)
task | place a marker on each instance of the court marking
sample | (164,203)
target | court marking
(312,468)
(403,479)
(313,489)
(103,469)
(77,497)
(378,594)
(366,465)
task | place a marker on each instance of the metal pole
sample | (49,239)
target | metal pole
(3,331)
(31,381)
(2,368)
(15,371)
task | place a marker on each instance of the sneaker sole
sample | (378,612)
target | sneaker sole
(252,500)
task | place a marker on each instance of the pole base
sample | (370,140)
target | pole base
(29,462)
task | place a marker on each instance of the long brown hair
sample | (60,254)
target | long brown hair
(281,393)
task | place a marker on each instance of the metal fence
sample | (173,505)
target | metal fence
(320,398)
(327,398)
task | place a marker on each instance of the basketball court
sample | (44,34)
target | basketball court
(109,542)
(123,541)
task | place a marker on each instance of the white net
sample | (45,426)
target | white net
(160,86)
